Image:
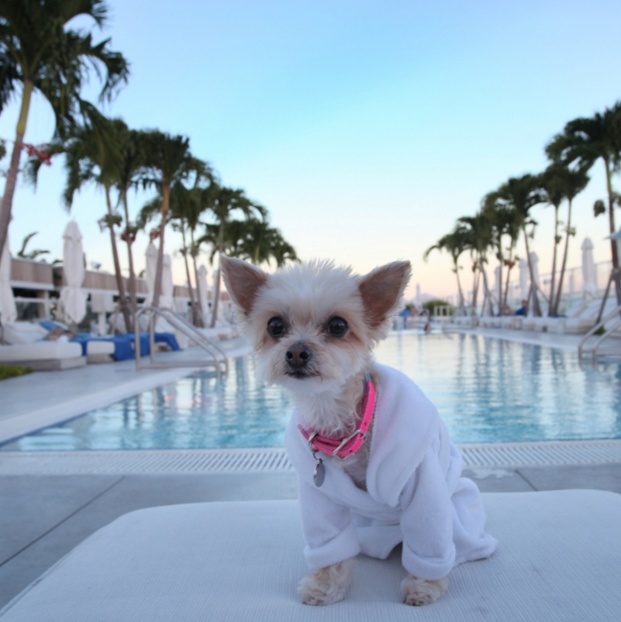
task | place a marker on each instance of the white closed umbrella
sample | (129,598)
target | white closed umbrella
(166,295)
(418,303)
(72,295)
(589,282)
(524,279)
(201,285)
(8,311)
(149,271)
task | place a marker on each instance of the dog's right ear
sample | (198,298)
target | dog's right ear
(242,281)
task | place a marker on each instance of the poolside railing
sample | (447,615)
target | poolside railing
(609,330)
(218,356)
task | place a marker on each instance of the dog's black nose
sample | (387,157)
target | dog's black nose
(298,355)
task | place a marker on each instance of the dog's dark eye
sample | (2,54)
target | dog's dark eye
(276,327)
(337,326)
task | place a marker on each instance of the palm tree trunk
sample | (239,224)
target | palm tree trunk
(613,243)
(501,263)
(130,255)
(559,291)
(201,311)
(11,179)
(461,293)
(533,286)
(117,268)
(551,311)
(187,273)
(487,293)
(160,253)
(216,289)
(216,293)
(505,296)
(475,287)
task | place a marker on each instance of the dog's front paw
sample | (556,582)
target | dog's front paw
(327,585)
(421,591)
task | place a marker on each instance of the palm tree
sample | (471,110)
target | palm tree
(38,50)
(522,194)
(92,154)
(454,243)
(561,183)
(167,160)
(222,202)
(129,170)
(586,140)
(504,222)
(575,183)
(184,211)
(30,254)
(255,240)
(477,234)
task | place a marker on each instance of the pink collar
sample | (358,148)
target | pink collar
(343,447)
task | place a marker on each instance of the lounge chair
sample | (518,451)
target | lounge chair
(583,322)
(43,355)
(17,333)
(558,559)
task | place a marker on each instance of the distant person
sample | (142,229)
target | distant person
(523,310)
(427,328)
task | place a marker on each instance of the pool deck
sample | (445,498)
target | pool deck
(570,343)
(45,515)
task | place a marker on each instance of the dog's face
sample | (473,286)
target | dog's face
(314,325)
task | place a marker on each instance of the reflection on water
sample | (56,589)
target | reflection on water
(493,390)
(193,412)
(485,390)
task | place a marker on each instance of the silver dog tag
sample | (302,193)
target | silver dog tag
(319,475)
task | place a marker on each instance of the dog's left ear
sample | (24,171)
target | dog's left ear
(382,289)
(242,281)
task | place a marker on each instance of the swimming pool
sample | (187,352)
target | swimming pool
(486,390)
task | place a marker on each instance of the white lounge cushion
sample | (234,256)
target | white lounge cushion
(22,332)
(40,351)
(99,347)
(558,560)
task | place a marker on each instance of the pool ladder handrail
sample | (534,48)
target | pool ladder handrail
(177,321)
(594,329)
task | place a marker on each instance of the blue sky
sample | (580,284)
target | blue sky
(366,128)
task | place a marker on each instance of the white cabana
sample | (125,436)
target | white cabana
(8,311)
(589,277)
(201,286)
(524,279)
(149,271)
(72,295)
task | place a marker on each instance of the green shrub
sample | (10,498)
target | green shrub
(10,371)
(430,305)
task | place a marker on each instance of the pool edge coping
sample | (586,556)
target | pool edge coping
(274,459)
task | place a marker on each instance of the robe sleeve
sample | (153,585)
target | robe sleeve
(427,522)
(328,528)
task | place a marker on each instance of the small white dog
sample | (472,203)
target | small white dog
(374,462)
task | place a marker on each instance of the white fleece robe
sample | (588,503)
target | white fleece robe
(415,492)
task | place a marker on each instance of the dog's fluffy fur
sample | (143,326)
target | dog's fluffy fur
(328,389)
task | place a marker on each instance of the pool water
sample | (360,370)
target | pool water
(486,390)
